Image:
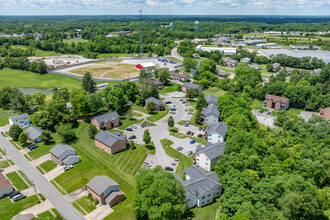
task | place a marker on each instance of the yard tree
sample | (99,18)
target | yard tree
(131,90)
(38,98)
(191,93)
(132,144)
(179,87)
(80,105)
(269,67)
(164,75)
(170,122)
(92,131)
(153,92)
(116,99)
(95,103)
(198,117)
(158,195)
(65,130)
(151,107)
(88,83)
(23,138)
(15,131)
(46,136)
(207,65)
(189,64)
(60,94)
(19,103)
(201,102)
(144,74)
(146,137)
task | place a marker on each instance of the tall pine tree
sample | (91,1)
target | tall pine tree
(88,84)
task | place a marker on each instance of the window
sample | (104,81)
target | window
(207,159)
(203,197)
(203,203)
(206,163)
(208,195)
(208,201)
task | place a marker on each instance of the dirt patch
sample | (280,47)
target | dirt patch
(109,70)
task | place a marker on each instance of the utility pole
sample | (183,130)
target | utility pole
(4,149)
(141,40)
(35,189)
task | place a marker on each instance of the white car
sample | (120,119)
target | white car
(68,167)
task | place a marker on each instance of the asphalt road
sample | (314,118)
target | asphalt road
(45,187)
(174,53)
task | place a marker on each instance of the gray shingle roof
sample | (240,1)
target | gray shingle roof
(211,99)
(100,183)
(19,117)
(156,101)
(59,149)
(66,160)
(111,116)
(112,195)
(211,109)
(220,127)
(191,85)
(108,138)
(212,151)
(33,132)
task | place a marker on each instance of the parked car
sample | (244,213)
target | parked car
(260,111)
(181,100)
(184,101)
(190,113)
(172,112)
(192,141)
(168,102)
(129,129)
(179,148)
(187,104)
(132,137)
(188,132)
(19,197)
(33,147)
(169,168)
(186,124)
(199,135)
(204,128)
(199,145)
(200,128)
(189,153)
(192,134)
(68,167)
(268,113)
(1,169)
(176,159)
(14,193)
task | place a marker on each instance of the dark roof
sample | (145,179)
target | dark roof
(191,85)
(59,149)
(211,99)
(33,132)
(100,183)
(153,99)
(111,116)
(19,117)
(220,127)
(222,74)
(108,138)
(211,109)
(212,151)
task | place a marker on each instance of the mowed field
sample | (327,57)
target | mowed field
(109,70)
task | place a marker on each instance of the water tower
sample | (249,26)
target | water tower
(171,27)
(196,26)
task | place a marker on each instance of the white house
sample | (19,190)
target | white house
(5,186)
(207,157)
(210,114)
(216,133)
(201,187)
(21,120)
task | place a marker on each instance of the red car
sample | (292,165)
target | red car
(181,100)
(188,133)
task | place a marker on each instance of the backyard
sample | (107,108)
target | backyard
(171,87)
(214,91)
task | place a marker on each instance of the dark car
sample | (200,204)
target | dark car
(188,133)
(192,134)
(169,168)
(129,129)
(204,128)
(199,135)
(33,147)
(168,102)
(200,128)
(132,137)
(14,193)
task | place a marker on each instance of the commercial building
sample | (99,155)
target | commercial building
(276,102)
(223,50)
(305,47)
(256,41)
(267,45)
(21,120)
(145,66)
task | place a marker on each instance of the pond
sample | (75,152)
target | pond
(31,91)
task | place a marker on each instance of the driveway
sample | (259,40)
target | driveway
(77,194)
(37,209)
(54,173)
(55,198)
(307,115)
(100,212)
(174,53)
(264,119)
(40,160)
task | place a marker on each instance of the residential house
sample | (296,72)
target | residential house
(207,157)
(5,186)
(147,83)
(34,134)
(105,190)
(246,60)
(255,66)
(201,187)
(21,120)
(158,103)
(106,121)
(210,114)
(211,99)
(230,62)
(216,133)
(325,113)
(180,77)
(111,142)
(186,86)
(276,102)
(64,154)
(276,67)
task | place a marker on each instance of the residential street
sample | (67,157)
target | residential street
(174,53)
(46,188)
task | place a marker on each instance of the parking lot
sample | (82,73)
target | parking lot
(170,66)
(264,118)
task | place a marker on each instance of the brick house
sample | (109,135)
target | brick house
(158,103)
(106,121)
(105,190)
(111,142)
(64,154)
(325,113)
(276,102)
(147,83)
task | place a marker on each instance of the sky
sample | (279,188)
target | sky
(165,7)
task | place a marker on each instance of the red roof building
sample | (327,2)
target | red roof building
(145,65)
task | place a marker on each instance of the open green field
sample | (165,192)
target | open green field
(48,166)
(16,181)
(75,40)
(155,116)
(184,160)
(170,88)
(120,167)
(128,122)
(43,148)
(214,91)
(9,209)
(4,119)
(86,203)
(39,53)
(19,78)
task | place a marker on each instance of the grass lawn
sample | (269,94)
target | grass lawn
(16,181)
(112,55)
(57,214)
(258,105)
(58,188)
(40,170)
(3,111)
(39,53)
(136,114)
(295,111)
(184,160)
(214,91)
(43,148)
(46,216)
(9,209)
(224,69)
(19,78)
(170,88)
(120,167)
(155,116)
(4,164)
(78,208)
(140,109)
(128,122)
(75,40)
(4,119)
(25,177)
(175,59)
(86,203)
(206,212)
(48,166)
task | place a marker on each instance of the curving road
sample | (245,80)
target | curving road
(45,187)
(174,53)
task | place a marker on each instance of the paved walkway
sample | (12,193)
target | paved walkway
(37,209)
(40,160)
